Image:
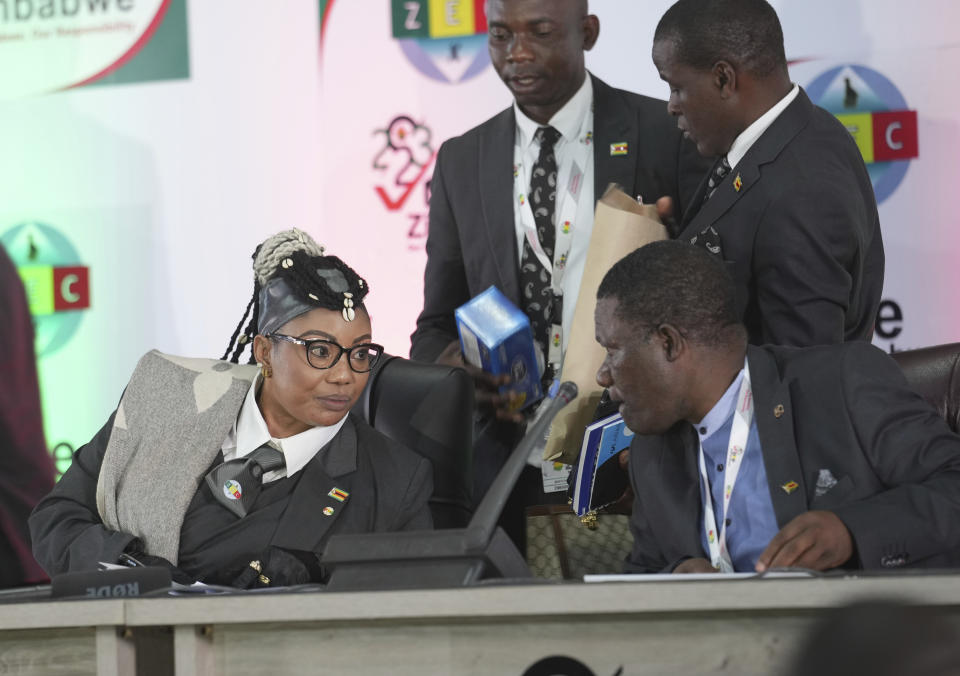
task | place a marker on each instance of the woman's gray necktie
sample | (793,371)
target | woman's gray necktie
(236,484)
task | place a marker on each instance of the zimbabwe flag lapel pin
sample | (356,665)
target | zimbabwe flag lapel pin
(790,487)
(617,149)
(338,494)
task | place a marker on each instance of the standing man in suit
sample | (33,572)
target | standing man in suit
(513,199)
(789,204)
(749,458)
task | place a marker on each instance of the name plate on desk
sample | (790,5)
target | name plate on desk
(115,583)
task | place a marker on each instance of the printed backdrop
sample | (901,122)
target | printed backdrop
(426,76)
(150,144)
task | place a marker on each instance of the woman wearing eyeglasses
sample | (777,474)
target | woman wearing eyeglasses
(238,474)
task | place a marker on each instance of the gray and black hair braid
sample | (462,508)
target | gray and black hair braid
(267,258)
(317,279)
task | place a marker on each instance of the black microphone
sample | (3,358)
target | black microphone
(114,583)
(485,517)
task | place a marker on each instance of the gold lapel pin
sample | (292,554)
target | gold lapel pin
(737,183)
(790,487)
(778,411)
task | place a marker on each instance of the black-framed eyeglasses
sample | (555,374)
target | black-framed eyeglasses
(324,354)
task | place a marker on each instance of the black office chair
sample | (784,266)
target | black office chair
(934,373)
(429,409)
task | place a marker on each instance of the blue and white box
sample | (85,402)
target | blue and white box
(496,336)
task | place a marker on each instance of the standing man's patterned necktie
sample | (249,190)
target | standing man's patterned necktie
(709,238)
(720,170)
(538,299)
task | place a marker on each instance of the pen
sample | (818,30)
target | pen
(128,560)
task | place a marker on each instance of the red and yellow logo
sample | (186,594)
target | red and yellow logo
(884,136)
(56,289)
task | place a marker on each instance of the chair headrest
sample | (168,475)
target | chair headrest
(934,373)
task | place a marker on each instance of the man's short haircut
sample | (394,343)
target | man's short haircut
(582,5)
(673,282)
(745,33)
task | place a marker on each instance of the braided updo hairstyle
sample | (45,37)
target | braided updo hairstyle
(316,279)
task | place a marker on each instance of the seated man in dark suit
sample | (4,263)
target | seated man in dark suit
(749,458)
(789,203)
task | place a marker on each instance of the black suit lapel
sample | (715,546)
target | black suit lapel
(322,493)
(695,203)
(495,160)
(747,173)
(773,412)
(679,476)
(613,124)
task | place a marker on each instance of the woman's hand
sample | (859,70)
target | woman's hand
(279,567)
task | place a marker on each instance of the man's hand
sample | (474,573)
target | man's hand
(817,540)
(695,566)
(665,208)
(668,215)
(486,385)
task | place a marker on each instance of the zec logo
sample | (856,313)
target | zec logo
(444,39)
(876,114)
(57,285)
(232,490)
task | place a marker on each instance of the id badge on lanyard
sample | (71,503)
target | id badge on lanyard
(737,446)
(570,178)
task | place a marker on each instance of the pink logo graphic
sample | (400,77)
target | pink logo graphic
(405,164)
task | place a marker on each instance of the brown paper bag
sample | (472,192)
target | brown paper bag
(620,225)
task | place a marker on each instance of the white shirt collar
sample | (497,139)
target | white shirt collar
(750,135)
(721,411)
(250,433)
(568,120)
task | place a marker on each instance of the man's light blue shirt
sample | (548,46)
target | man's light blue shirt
(751,519)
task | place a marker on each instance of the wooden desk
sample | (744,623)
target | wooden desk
(683,627)
(65,637)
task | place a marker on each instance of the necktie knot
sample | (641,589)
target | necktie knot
(268,458)
(547,137)
(720,170)
(723,167)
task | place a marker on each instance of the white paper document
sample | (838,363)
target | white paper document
(688,577)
